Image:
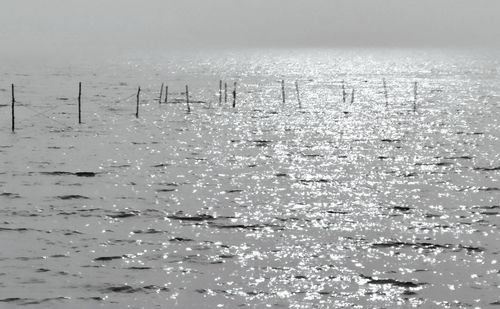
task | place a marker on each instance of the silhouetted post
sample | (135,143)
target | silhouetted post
(234,95)
(161,93)
(187,99)
(220,92)
(415,97)
(80,102)
(283,90)
(385,94)
(137,106)
(344,94)
(13,101)
(352,96)
(225,92)
(298,94)
(166,94)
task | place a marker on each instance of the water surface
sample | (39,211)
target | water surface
(371,202)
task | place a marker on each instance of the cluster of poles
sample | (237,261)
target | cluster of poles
(188,107)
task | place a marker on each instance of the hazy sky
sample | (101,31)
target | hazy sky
(73,25)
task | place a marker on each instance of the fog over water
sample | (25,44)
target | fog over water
(76,28)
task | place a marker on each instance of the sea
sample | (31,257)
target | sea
(293,178)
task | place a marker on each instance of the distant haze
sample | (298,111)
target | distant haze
(67,26)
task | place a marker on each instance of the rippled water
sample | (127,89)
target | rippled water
(363,204)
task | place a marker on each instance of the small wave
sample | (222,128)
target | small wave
(196,159)
(123,214)
(166,190)
(109,258)
(388,140)
(384,157)
(401,208)
(97,298)
(469,133)
(129,289)
(10,195)
(261,142)
(31,301)
(459,158)
(434,164)
(337,212)
(198,218)
(61,173)
(161,165)
(393,282)
(487,169)
(180,239)
(490,207)
(11,299)
(19,229)
(426,245)
(236,226)
(149,231)
(244,226)
(72,197)
(312,155)
(490,213)
(321,180)
(487,189)
(409,175)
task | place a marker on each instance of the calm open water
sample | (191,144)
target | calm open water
(330,205)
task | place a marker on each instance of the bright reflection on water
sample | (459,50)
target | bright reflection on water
(363,204)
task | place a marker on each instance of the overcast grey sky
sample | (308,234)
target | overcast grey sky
(42,25)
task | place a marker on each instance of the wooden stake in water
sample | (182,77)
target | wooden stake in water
(385,94)
(220,92)
(80,102)
(187,99)
(225,92)
(344,94)
(352,96)
(161,93)
(283,90)
(234,95)
(166,94)
(137,106)
(12,108)
(415,85)
(298,93)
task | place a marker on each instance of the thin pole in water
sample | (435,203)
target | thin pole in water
(13,101)
(352,96)
(137,106)
(187,99)
(385,94)
(234,95)
(344,94)
(80,103)
(298,93)
(415,97)
(166,94)
(283,90)
(161,93)
(220,92)
(225,92)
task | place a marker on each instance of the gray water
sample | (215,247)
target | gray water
(375,203)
